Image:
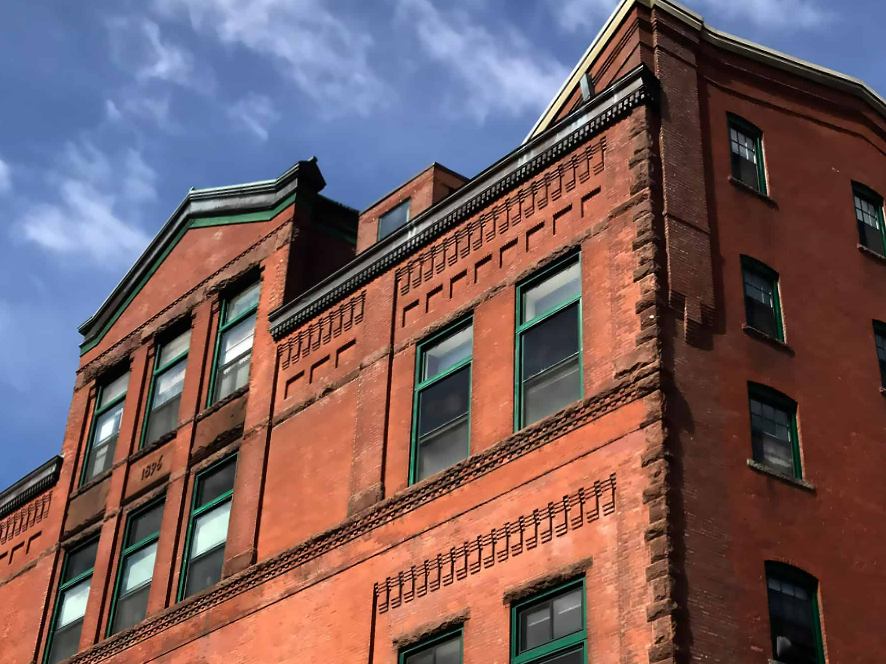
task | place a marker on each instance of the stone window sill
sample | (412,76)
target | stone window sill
(767,338)
(747,188)
(871,254)
(766,470)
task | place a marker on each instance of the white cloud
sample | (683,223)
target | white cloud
(574,15)
(256,113)
(501,72)
(321,53)
(146,106)
(111,111)
(138,47)
(95,190)
(5,177)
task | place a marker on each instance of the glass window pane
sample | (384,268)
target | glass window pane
(792,621)
(210,529)
(145,524)
(423,657)
(174,348)
(240,304)
(443,448)
(551,390)
(72,605)
(555,290)
(550,342)
(535,626)
(392,220)
(80,561)
(444,401)
(447,353)
(448,652)
(216,482)
(114,389)
(237,340)
(571,657)
(65,642)
(131,609)
(138,569)
(163,419)
(772,436)
(107,425)
(205,571)
(169,384)
(567,613)
(231,377)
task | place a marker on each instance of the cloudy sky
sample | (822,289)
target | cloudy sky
(113,109)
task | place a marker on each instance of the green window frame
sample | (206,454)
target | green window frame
(138,556)
(880,343)
(792,596)
(396,217)
(107,416)
(167,382)
(437,650)
(548,320)
(213,513)
(235,333)
(441,405)
(746,153)
(526,647)
(762,298)
(869,218)
(71,603)
(774,430)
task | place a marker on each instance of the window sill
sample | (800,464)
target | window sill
(747,188)
(766,470)
(870,253)
(755,333)
(218,405)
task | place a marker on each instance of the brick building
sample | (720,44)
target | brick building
(587,405)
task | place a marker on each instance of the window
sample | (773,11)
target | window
(441,411)
(234,348)
(136,568)
(793,615)
(548,342)
(70,607)
(880,340)
(761,301)
(550,628)
(774,430)
(208,527)
(445,649)
(746,148)
(869,217)
(165,394)
(393,219)
(105,427)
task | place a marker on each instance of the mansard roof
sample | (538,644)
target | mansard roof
(727,42)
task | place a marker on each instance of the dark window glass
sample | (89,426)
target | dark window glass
(106,427)
(216,482)
(550,620)
(551,367)
(80,561)
(744,147)
(145,524)
(793,617)
(569,657)
(71,603)
(393,219)
(169,380)
(444,652)
(772,434)
(236,335)
(131,609)
(66,641)
(443,402)
(880,340)
(760,293)
(868,215)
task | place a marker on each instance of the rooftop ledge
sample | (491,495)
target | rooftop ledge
(35,482)
(637,87)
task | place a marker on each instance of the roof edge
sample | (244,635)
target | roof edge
(31,485)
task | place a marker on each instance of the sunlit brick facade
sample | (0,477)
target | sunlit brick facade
(617,398)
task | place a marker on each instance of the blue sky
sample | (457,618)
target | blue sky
(112,110)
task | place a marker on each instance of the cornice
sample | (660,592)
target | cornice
(636,88)
(31,485)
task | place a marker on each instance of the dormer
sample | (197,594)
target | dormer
(396,209)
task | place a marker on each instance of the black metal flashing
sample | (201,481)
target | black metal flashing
(31,485)
(637,87)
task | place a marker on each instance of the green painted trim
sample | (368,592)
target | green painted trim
(224,326)
(763,271)
(155,374)
(420,386)
(63,586)
(521,328)
(197,511)
(872,197)
(127,551)
(810,583)
(96,413)
(783,402)
(753,132)
(430,643)
(203,222)
(568,642)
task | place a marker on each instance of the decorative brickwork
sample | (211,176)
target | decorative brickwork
(320,332)
(28,516)
(499,545)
